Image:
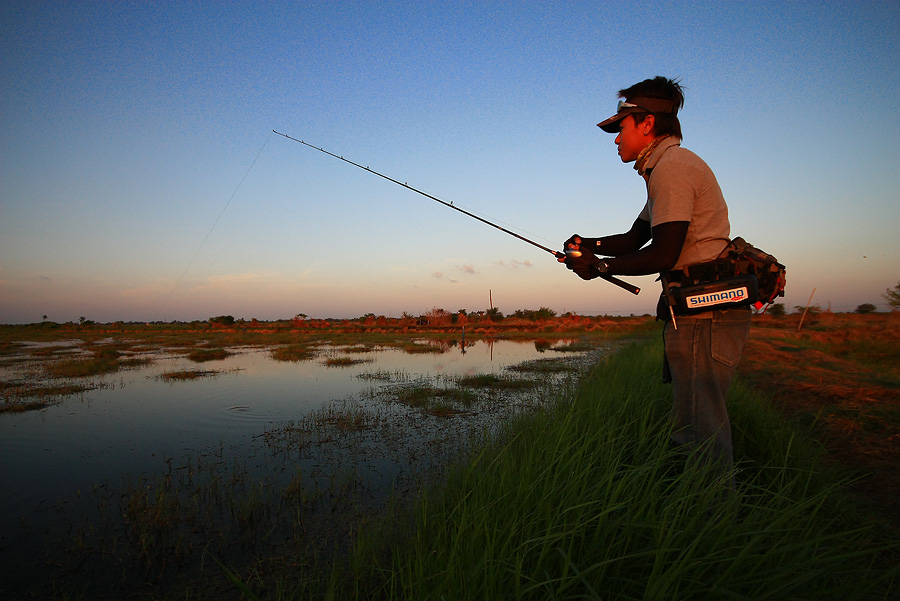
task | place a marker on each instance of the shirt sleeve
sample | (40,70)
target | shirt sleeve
(671,193)
(645,212)
(682,187)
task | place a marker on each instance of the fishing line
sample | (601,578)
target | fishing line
(558,254)
(216,222)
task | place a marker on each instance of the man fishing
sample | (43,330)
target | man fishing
(685,220)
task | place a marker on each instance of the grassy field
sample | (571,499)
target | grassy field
(839,377)
(590,502)
(586,500)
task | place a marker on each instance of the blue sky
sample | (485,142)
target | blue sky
(140,178)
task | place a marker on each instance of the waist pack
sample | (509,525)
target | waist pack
(741,275)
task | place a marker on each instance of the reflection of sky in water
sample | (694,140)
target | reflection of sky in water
(137,421)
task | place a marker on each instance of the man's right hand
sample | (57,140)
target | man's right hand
(573,243)
(571,247)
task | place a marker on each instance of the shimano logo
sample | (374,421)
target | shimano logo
(734,295)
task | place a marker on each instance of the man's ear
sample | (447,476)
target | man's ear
(648,125)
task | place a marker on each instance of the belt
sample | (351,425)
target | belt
(713,271)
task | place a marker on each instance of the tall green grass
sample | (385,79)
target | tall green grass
(589,501)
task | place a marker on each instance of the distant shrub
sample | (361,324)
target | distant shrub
(541,314)
(866,308)
(892,296)
(812,309)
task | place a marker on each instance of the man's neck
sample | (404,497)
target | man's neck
(641,161)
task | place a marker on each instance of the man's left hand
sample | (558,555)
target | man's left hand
(586,266)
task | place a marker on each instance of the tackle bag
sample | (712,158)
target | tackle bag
(741,275)
(771,276)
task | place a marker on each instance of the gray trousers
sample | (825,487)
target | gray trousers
(702,355)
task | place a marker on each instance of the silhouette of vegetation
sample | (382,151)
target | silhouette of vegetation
(892,296)
(494,314)
(223,320)
(535,315)
(776,310)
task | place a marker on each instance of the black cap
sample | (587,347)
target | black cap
(636,105)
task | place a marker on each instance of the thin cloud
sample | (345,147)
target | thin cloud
(440,276)
(514,264)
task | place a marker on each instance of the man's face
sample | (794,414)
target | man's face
(632,138)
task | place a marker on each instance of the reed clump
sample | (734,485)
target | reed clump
(82,368)
(212,354)
(435,400)
(496,382)
(192,374)
(544,366)
(343,361)
(293,352)
(99,361)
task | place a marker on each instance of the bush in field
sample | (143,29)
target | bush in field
(776,310)
(812,310)
(892,296)
(224,320)
(866,308)
(437,317)
(494,314)
(541,314)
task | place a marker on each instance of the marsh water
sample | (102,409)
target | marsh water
(345,427)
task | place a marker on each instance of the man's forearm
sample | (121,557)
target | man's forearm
(620,244)
(642,262)
(616,245)
(660,255)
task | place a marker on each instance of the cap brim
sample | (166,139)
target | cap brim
(611,125)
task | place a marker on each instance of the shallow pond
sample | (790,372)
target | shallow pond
(340,429)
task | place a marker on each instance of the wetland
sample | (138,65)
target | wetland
(135,456)
(320,459)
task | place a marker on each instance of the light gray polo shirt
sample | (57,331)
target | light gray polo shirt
(682,187)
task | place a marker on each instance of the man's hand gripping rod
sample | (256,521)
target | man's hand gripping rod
(555,253)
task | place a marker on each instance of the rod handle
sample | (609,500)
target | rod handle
(561,257)
(621,284)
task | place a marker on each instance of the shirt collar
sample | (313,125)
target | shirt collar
(660,150)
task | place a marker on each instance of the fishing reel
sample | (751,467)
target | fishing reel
(572,250)
(569,252)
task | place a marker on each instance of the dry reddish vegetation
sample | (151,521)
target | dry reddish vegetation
(840,373)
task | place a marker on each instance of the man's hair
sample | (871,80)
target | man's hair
(666,124)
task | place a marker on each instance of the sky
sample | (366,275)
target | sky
(140,178)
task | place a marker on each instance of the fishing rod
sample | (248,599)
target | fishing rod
(558,254)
